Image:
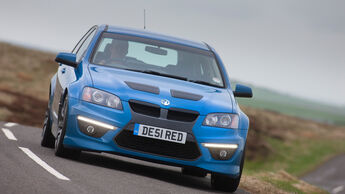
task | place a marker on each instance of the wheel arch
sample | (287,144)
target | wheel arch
(52,86)
(63,96)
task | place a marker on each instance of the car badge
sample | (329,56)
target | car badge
(165,102)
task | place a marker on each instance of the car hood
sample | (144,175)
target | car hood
(129,85)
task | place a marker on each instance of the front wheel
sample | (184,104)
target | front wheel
(225,183)
(60,150)
(47,138)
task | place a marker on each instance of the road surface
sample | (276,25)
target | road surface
(26,167)
(329,176)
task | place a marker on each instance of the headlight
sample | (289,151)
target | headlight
(223,120)
(102,98)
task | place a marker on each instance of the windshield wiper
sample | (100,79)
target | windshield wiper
(203,82)
(173,76)
(158,73)
(164,74)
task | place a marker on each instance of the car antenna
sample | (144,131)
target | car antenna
(144,19)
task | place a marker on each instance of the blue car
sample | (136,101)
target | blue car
(151,97)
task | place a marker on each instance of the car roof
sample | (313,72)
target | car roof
(153,35)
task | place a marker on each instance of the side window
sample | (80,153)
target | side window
(76,48)
(84,45)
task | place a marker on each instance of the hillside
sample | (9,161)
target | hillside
(24,83)
(279,148)
(294,106)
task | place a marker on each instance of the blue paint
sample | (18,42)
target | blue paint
(112,80)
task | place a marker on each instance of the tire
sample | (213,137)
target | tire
(47,138)
(226,183)
(60,150)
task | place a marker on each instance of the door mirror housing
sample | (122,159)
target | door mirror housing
(67,59)
(243,91)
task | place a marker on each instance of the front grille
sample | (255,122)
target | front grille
(154,110)
(187,151)
(145,108)
(182,115)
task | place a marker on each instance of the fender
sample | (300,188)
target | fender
(52,88)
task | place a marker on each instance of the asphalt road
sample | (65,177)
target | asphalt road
(329,176)
(26,167)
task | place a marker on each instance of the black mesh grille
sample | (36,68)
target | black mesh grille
(188,151)
(182,115)
(154,110)
(145,108)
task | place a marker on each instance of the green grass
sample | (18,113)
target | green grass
(296,157)
(284,185)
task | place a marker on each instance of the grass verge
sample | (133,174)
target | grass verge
(296,157)
(290,160)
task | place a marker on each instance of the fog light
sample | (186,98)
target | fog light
(223,154)
(90,129)
(93,128)
(221,151)
(220,145)
(91,121)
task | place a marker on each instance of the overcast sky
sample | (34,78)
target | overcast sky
(295,47)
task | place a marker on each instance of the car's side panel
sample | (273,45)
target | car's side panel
(51,96)
(60,85)
(52,89)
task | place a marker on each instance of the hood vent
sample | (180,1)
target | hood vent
(185,95)
(143,87)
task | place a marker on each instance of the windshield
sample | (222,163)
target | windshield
(158,58)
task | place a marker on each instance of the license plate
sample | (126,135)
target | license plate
(160,133)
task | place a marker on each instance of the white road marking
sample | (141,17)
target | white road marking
(43,164)
(10,124)
(9,134)
(338,189)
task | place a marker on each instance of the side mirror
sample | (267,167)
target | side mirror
(67,59)
(243,91)
(156,50)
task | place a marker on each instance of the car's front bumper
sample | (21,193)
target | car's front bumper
(120,119)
